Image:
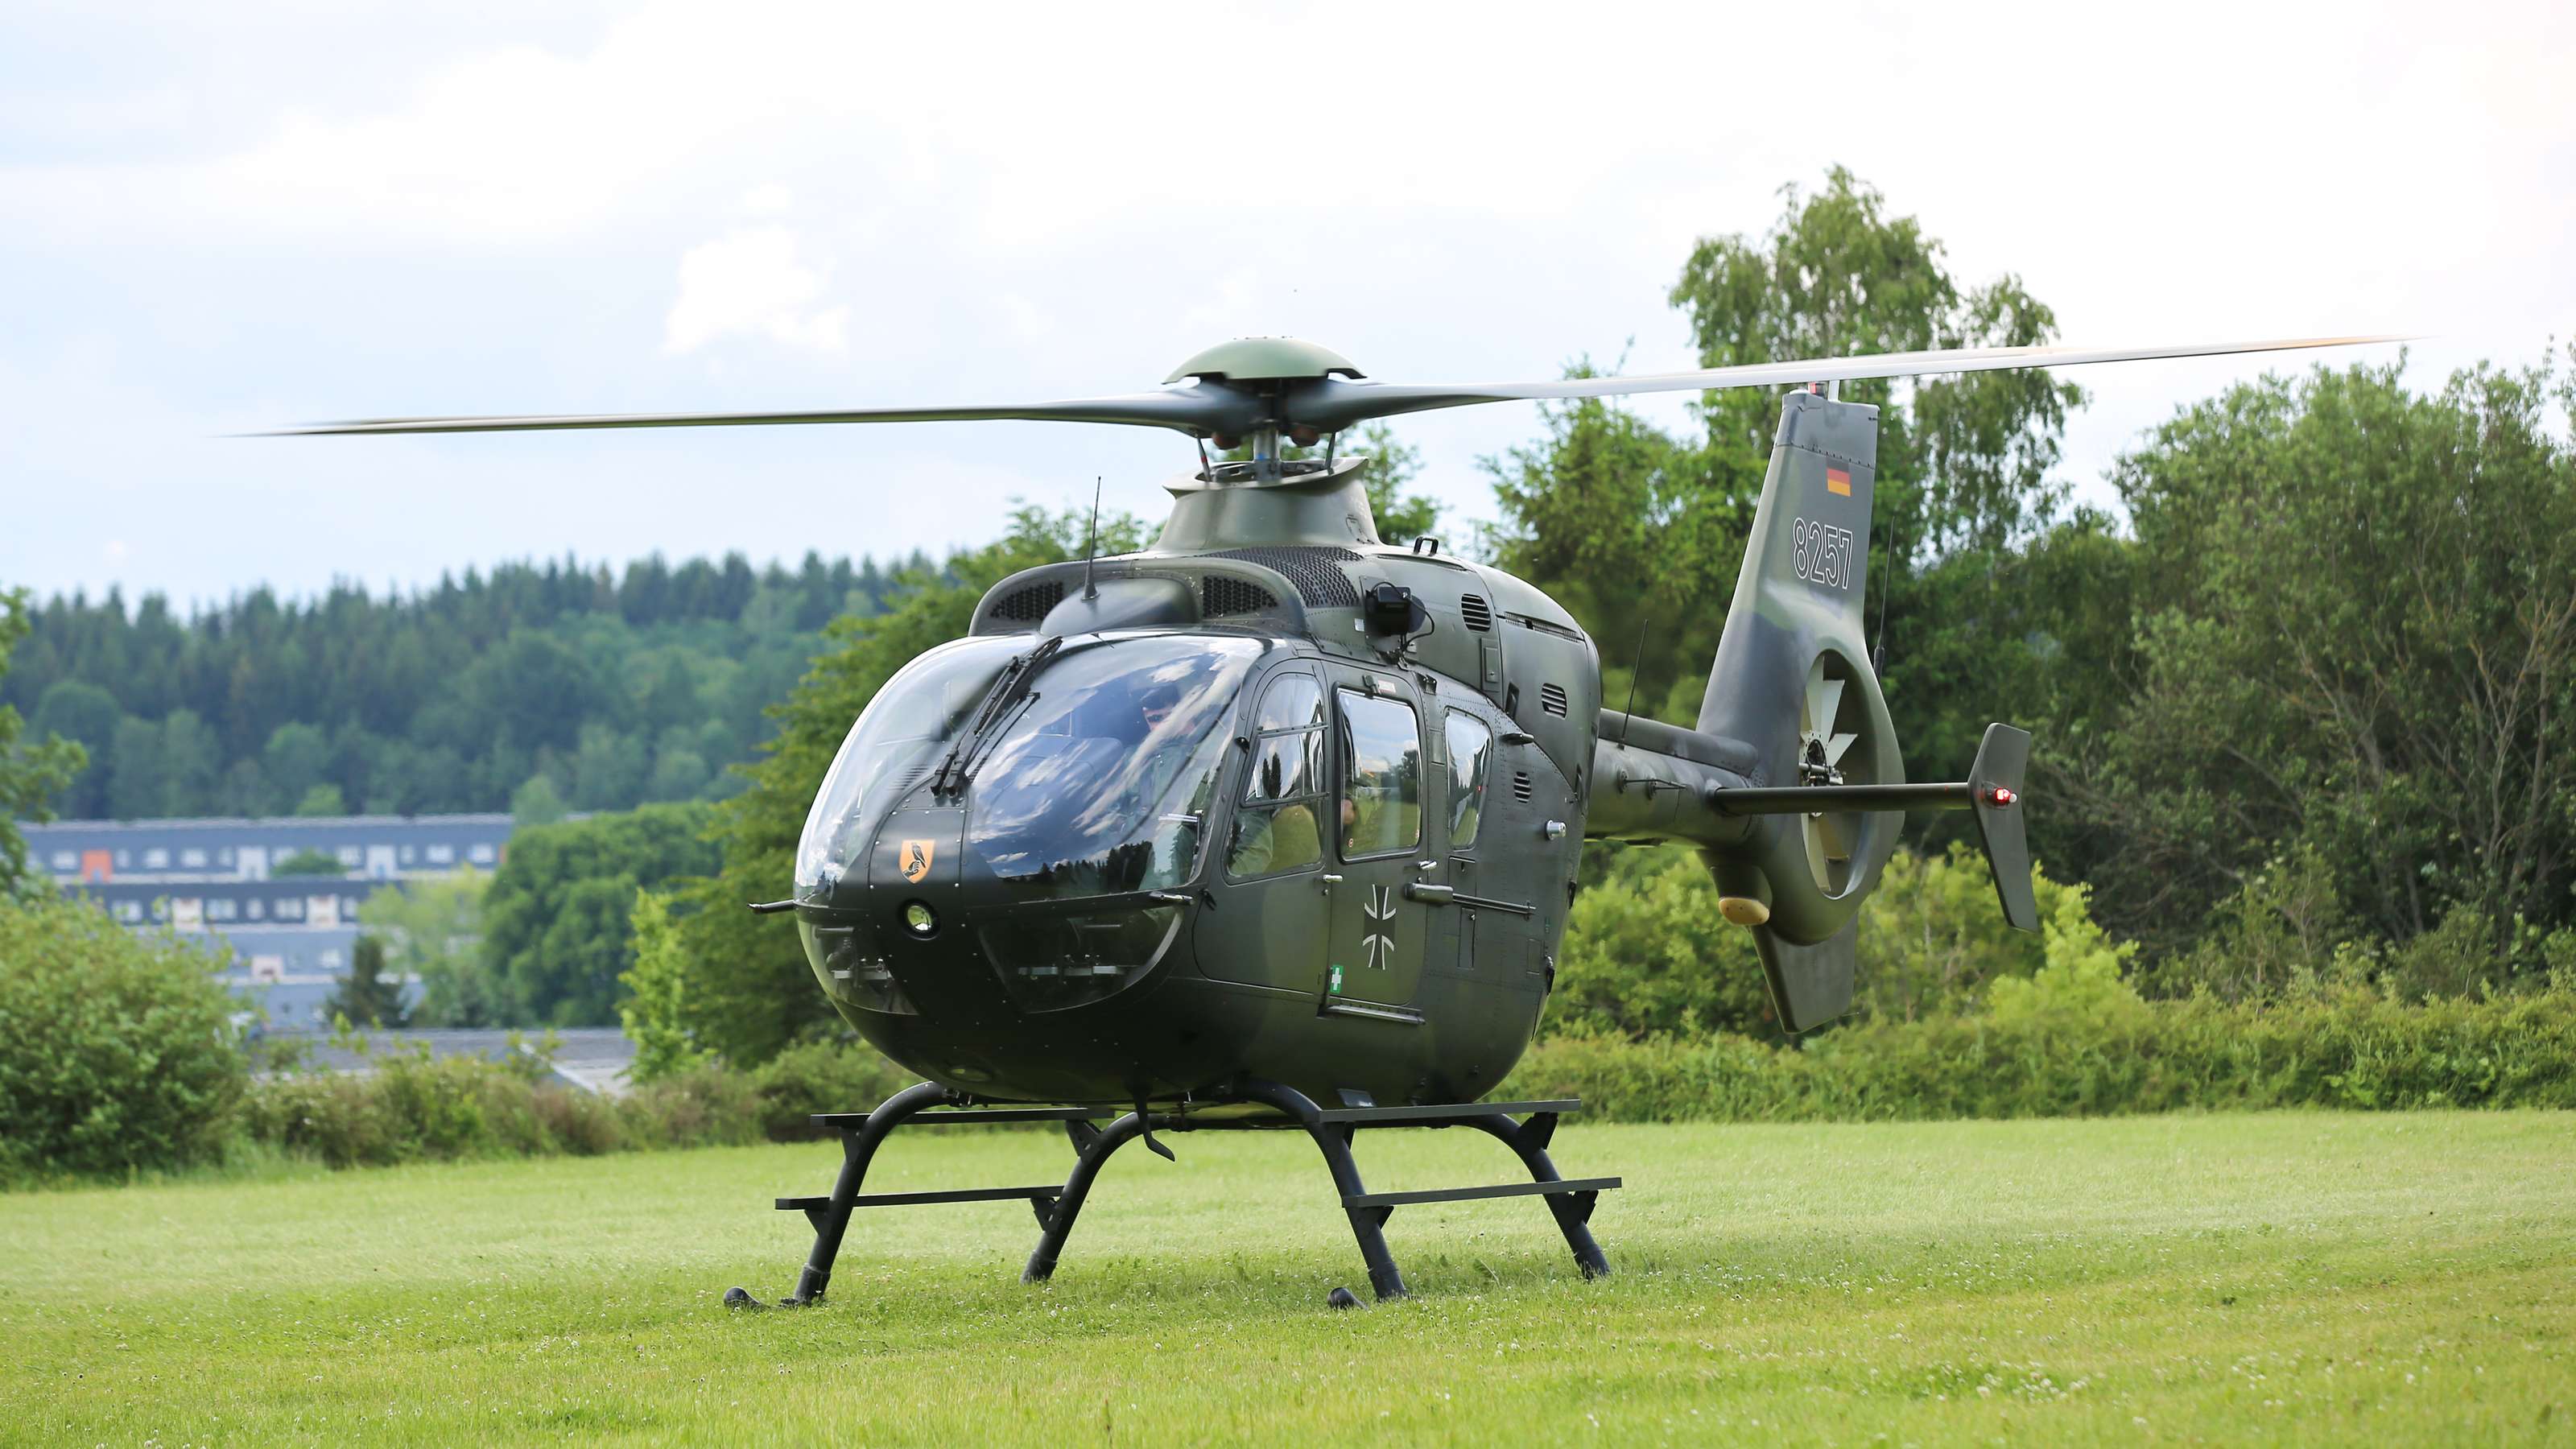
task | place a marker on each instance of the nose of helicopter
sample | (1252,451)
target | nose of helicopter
(927,935)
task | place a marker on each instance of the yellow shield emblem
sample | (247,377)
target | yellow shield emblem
(915,860)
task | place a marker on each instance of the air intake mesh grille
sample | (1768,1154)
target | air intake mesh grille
(1030,604)
(1551,697)
(1480,615)
(1320,583)
(1220,596)
(1520,786)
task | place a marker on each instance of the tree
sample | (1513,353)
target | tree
(445,699)
(86,715)
(555,924)
(367,996)
(294,759)
(2354,640)
(321,802)
(536,803)
(1641,532)
(309,861)
(1401,515)
(433,930)
(29,772)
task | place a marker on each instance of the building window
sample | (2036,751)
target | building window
(331,959)
(349,909)
(160,909)
(222,908)
(224,856)
(409,853)
(290,909)
(480,855)
(66,861)
(256,908)
(125,860)
(442,855)
(192,859)
(350,856)
(156,859)
(130,912)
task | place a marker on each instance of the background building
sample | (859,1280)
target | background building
(292,935)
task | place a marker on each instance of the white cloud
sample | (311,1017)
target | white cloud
(753,282)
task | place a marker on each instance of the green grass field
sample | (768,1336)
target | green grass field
(2302,1277)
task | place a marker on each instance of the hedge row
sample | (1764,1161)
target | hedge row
(414,1108)
(2354,1050)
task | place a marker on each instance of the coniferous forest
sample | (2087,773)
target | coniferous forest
(597,688)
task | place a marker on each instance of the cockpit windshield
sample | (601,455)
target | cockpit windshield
(1094,773)
(1103,781)
(898,739)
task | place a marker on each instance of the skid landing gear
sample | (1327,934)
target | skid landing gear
(1524,1127)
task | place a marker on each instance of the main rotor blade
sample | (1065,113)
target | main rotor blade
(1333,403)
(1197,408)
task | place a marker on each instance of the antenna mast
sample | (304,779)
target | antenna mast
(1091,547)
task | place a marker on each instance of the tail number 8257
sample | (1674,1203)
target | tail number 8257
(1824,553)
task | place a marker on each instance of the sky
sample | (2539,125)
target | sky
(218,219)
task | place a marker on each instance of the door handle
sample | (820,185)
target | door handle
(1438,895)
(1330,880)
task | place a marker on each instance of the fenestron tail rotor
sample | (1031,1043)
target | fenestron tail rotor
(1253,387)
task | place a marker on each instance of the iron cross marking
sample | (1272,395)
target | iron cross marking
(1381,914)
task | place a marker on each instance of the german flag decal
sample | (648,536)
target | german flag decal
(1838,481)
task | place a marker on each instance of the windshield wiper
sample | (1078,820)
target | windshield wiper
(1009,687)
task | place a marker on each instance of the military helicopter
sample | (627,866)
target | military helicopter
(1275,824)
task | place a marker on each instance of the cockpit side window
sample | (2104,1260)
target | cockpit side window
(1381,774)
(1278,827)
(1471,747)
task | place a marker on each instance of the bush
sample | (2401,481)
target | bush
(117,1048)
(822,1076)
(2067,1046)
(1645,953)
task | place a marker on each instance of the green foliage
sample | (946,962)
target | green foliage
(309,861)
(433,929)
(736,985)
(413,1107)
(537,802)
(29,772)
(2076,1042)
(1645,953)
(367,996)
(1402,515)
(1630,526)
(2354,656)
(321,800)
(821,1076)
(656,1011)
(117,1049)
(617,688)
(555,922)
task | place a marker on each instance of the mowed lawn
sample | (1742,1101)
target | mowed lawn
(2292,1278)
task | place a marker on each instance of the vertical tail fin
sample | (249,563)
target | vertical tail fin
(1792,680)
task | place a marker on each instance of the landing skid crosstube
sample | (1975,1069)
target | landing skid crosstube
(1571,1200)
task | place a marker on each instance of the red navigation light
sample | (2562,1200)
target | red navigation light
(2001,795)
